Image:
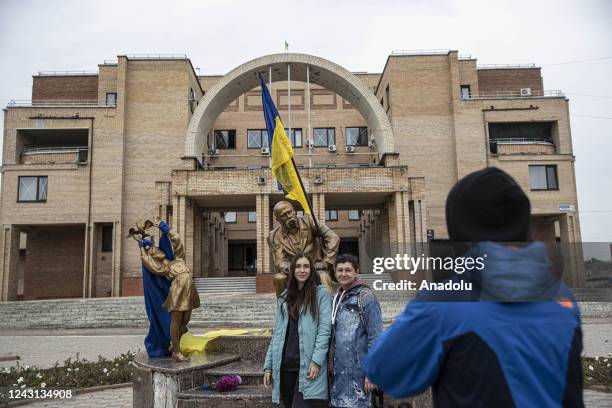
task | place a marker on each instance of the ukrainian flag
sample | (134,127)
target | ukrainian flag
(283,167)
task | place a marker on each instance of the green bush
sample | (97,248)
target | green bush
(73,374)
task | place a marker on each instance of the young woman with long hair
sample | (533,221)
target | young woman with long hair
(296,361)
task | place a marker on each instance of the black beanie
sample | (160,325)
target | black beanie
(487,205)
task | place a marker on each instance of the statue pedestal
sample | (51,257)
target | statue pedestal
(158,380)
(264,283)
(161,382)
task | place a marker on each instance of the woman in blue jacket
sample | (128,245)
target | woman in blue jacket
(296,361)
(357,324)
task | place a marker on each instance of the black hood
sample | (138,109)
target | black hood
(488,205)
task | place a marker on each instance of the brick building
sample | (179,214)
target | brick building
(93,153)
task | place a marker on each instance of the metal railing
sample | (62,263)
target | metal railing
(54,150)
(505,66)
(522,141)
(56,103)
(420,52)
(155,56)
(55,155)
(66,73)
(515,94)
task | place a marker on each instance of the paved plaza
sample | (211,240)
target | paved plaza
(44,347)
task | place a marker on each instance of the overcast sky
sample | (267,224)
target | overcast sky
(359,35)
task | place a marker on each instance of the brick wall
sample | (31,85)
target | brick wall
(53,271)
(502,80)
(65,88)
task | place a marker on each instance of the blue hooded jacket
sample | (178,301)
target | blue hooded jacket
(519,346)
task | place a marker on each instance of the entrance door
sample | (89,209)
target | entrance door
(241,258)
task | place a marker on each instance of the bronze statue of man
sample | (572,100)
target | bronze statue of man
(299,234)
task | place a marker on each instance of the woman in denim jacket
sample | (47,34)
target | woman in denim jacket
(357,323)
(296,361)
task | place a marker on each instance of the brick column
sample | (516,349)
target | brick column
(206,239)
(187,232)
(384,230)
(116,271)
(318,207)
(9,263)
(392,225)
(262,208)
(90,259)
(573,271)
(197,242)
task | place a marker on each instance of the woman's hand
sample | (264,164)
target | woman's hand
(368,386)
(313,371)
(267,379)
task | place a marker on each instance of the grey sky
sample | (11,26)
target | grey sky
(359,35)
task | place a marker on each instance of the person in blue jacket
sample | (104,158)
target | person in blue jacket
(357,324)
(296,361)
(517,345)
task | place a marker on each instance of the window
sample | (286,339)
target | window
(257,138)
(295,137)
(324,137)
(252,216)
(230,217)
(300,213)
(107,238)
(111,99)
(353,215)
(331,215)
(543,177)
(32,189)
(225,139)
(465,91)
(357,136)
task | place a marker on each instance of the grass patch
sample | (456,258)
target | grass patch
(73,374)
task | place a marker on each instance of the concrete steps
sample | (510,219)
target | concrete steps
(225,285)
(229,310)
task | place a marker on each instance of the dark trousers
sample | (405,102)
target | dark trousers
(290,394)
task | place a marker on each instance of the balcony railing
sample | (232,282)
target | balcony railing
(420,52)
(514,94)
(155,56)
(506,66)
(55,155)
(57,103)
(521,146)
(67,73)
(522,141)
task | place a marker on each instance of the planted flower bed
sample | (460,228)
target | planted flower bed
(73,374)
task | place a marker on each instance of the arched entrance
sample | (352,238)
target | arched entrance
(322,72)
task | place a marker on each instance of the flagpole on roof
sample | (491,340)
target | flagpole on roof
(309,128)
(289,96)
(270,91)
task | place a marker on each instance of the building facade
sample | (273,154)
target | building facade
(92,154)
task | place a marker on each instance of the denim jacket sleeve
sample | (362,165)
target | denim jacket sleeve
(319,354)
(373,318)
